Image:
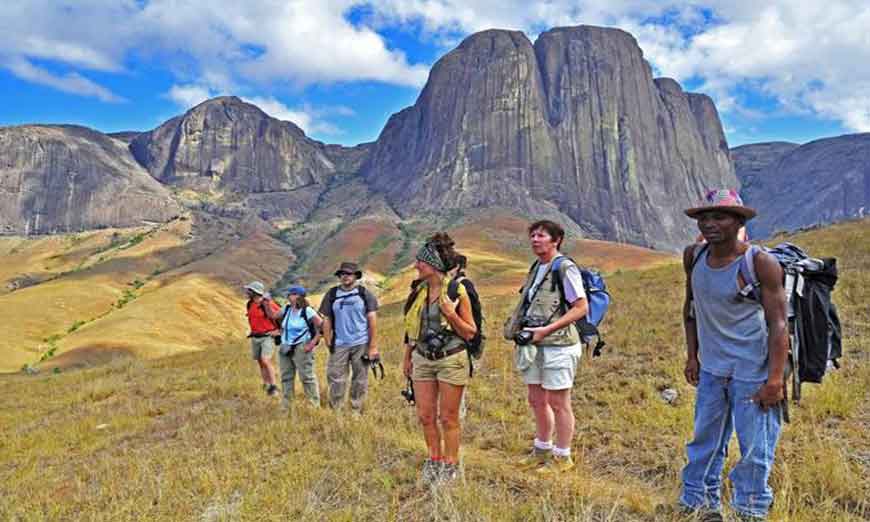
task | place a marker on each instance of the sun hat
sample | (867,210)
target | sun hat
(727,200)
(256,287)
(351,268)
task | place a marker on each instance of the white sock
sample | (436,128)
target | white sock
(561,452)
(541,445)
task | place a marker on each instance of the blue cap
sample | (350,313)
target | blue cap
(296,289)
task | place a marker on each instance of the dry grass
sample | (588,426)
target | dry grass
(191,437)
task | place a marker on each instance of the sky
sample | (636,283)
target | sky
(778,70)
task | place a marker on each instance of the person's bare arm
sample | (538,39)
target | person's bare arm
(693,366)
(327,330)
(318,326)
(372,318)
(460,317)
(773,301)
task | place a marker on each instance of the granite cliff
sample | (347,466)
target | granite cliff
(56,179)
(574,122)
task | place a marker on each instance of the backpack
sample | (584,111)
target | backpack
(331,297)
(476,344)
(815,340)
(597,297)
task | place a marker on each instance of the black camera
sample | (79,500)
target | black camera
(524,337)
(408,392)
(433,341)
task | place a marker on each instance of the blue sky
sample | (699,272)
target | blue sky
(779,70)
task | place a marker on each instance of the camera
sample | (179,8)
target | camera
(408,392)
(524,337)
(433,341)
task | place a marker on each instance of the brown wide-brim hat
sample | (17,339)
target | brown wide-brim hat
(725,200)
(349,267)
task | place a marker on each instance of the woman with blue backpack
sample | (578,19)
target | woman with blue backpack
(549,346)
(300,334)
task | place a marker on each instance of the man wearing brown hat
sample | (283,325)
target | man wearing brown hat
(349,327)
(736,353)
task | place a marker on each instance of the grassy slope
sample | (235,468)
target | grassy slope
(191,437)
(152,291)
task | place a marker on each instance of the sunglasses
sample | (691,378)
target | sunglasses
(341,274)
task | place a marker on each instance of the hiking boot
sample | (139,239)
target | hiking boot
(701,514)
(536,458)
(271,390)
(449,472)
(556,465)
(431,471)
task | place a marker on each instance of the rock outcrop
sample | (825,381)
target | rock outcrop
(574,123)
(796,186)
(66,179)
(238,158)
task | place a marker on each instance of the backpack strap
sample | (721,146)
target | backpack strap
(751,287)
(696,255)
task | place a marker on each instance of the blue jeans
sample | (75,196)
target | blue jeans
(723,405)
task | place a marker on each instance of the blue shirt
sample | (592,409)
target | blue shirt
(295,329)
(351,325)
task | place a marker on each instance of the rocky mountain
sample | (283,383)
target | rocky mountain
(574,122)
(67,179)
(573,126)
(796,186)
(232,153)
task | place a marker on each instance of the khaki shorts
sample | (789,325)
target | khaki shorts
(452,369)
(554,367)
(262,347)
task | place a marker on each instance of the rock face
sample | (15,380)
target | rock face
(66,179)
(573,123)
(228,146)
(793,186)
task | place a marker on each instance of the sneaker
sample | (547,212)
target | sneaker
(431,471)
(271,390)
(556,465)
(536,458)
(449,472)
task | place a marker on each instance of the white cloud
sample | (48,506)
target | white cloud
(308,118)
(187,96)
(71,82)
(809,56)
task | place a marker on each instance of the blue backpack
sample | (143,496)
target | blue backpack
(597,297)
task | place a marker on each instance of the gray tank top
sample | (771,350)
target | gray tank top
(732,332)
(432,321)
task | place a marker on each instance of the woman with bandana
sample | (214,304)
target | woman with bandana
(437,329)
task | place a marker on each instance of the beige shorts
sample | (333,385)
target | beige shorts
(554,367)
(452,369)
(262,347)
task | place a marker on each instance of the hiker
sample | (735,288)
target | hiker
(300,334)
(736,355)
(349,313)
(548,347)
(437,328)
(260,310)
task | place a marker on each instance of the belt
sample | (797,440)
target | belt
(259,335)
(434,356)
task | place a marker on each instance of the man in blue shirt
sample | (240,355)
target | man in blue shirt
(349,327)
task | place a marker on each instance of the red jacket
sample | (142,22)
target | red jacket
(257,318)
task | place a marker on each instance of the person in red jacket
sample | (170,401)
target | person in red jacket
(261,310)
